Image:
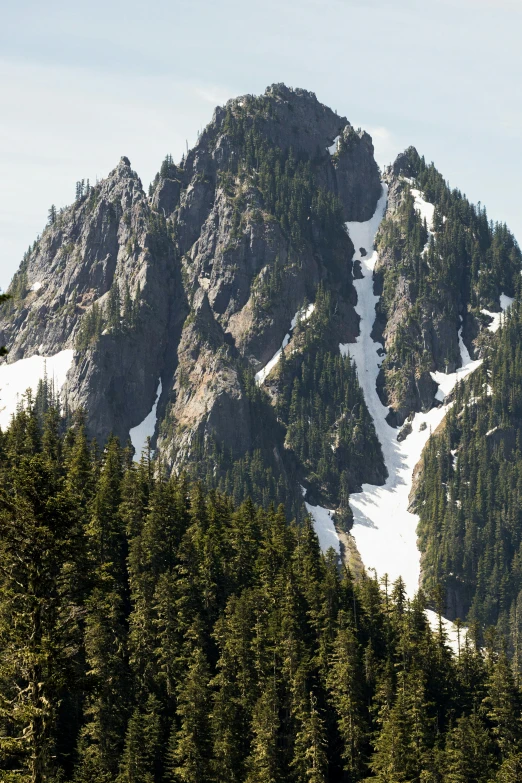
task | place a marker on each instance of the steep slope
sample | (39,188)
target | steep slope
(438,272)
(383,527)
(102,283)
(173,302)
(269,315)
(441,266)
(468,493)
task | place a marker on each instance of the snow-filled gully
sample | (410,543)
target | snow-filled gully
(146,429)
(384,530)
(302,315)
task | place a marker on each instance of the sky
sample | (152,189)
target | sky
(83,84)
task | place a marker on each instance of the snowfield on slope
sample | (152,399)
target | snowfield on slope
(324,527)
(505,302)
(25,374)
(301,315)
(146,429)
(384,529)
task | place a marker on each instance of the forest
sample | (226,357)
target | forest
(469,498)
(152,631)
(449,274)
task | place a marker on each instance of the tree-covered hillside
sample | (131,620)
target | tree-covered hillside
(435,279)
(153,632)
(469,498)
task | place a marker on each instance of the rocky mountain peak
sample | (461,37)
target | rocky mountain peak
(194,289)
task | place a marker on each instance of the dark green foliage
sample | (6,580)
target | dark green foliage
(90,329)
(159,234)
(255,474)
(287,184)
(151,632)
(321,404)
(168,169)
(469,499)
(117,317)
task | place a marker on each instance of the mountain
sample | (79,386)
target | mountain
(283,320)
(260,507)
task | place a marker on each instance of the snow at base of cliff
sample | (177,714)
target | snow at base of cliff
(447,382)
(25,374)
(454,638)
(139,434)
(324,527)
(333,148)
(423,207)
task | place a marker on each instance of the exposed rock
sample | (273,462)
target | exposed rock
(166,196)
(357,175)
(206,280)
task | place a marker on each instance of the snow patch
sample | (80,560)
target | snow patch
(333,149)
(450,629)
(423,207)
(324,527)
(505,303)
(425,210)
(146,429)
(448,381)
(384,530)
(17,377)
(36,286)
(302,315)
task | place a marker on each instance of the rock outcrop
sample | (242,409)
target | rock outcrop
(196,284)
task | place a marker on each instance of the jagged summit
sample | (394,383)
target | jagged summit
(406,163)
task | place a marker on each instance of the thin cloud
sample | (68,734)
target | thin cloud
(216,96)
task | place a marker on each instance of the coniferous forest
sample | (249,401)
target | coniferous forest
(151,631)
(469,494)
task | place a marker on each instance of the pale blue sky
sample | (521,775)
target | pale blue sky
(81,86)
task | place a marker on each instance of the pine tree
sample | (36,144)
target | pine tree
(503,705)
(105,628)
(345,683)
(34,630)
(310,756)
(141,755)
(468,752)
(188,757)
(263,762)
